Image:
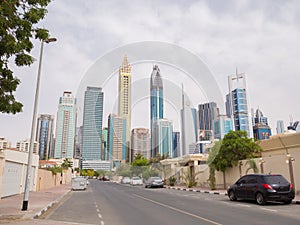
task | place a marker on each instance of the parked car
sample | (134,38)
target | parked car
(154,182)
(262,188)
(125,180)
(136,181)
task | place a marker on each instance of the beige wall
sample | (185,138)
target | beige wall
(47,180)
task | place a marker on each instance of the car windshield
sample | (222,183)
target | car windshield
(275,179)
(156,178)
(136,178)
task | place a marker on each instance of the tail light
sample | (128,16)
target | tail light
(267,186)
(291,186)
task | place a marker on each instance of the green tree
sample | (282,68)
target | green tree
(139,164)
(211,157)
(18,19)
(66,164)
(235,146)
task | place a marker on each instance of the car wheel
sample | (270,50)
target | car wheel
(260,199)
(287,202)
(232,196)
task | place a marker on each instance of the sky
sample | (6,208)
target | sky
(258,38)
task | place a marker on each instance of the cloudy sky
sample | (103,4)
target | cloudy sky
(260,38)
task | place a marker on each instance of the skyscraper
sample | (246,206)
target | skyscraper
(207,113)
(44,135)
(176,144)
(237,103)
(140,142)
(116,139)
(65,126)
(223,124)
(124,98)
(92,124)
(261,129)
(280,127)
(163,131)
(188,125)
(156,102)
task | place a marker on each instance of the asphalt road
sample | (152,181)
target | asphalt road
(108,203)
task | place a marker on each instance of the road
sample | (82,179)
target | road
(108,203)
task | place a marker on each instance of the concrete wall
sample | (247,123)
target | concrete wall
(48,180)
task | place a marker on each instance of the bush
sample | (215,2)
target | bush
(171,181)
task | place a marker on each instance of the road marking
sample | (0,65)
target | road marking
(272,210)
(97,210)
(99,215)
(102,223)
(178,210)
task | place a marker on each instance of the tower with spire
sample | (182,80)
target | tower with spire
(124,98)
(156,102)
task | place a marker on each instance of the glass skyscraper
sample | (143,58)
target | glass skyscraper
(44,135)
(163,131)
(65,126)
(156,103)
(237,103)
(92,124)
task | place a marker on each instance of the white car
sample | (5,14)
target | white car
(126,180)
(136,181)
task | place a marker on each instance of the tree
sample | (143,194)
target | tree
(235,146)
(18,19)
(211,157)
(139,164)
(66,164)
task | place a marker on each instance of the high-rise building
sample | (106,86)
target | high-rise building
(116,139)
(188,125)
(92,125)
(104,153)
(4,143)
(280,127)
(237,103)
(140,142)
(23,146)
(65,126)
(78,142)
(124,98)
(44,135)
(163,131)
(207,114)
(176,144)
(222,126)
(156,102)
(261,129)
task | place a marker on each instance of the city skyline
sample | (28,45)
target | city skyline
(263,43)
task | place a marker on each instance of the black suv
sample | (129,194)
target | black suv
(262,188)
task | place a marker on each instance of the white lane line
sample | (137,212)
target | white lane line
(272,210)
(97,210)
(99,215)
(102,223)
(178,210)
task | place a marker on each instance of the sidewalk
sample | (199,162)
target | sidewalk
(39,202)
(216,192)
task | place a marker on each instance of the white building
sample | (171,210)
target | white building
(24,146)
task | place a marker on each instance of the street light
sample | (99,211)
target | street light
(30,154)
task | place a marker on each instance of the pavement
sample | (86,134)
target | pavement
(40,202)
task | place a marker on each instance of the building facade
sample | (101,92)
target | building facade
(261,128)
(65,126)
(44,135)
(92,124)
(104,152)
(156,103)
(4,143)
(207,113)
(124,98)
(116,139)
(163,131)
(237,103)
(24,146)
(222,126)
(188,125)
(140,142)
(280,127)
(176,144)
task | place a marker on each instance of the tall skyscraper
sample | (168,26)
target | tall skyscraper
(104,153)
(140,142)
(116,139)
(176,144)
(92,124)
(261,129)
(78,142)
(280,127)
(207,113)
(163,131)
(188,125)
(65,126)
(223,124)
(156,102)
(237,103)
(44,135)
(124,97)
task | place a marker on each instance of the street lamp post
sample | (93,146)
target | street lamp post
(33,125)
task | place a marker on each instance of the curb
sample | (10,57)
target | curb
(51,204)
(199,191)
